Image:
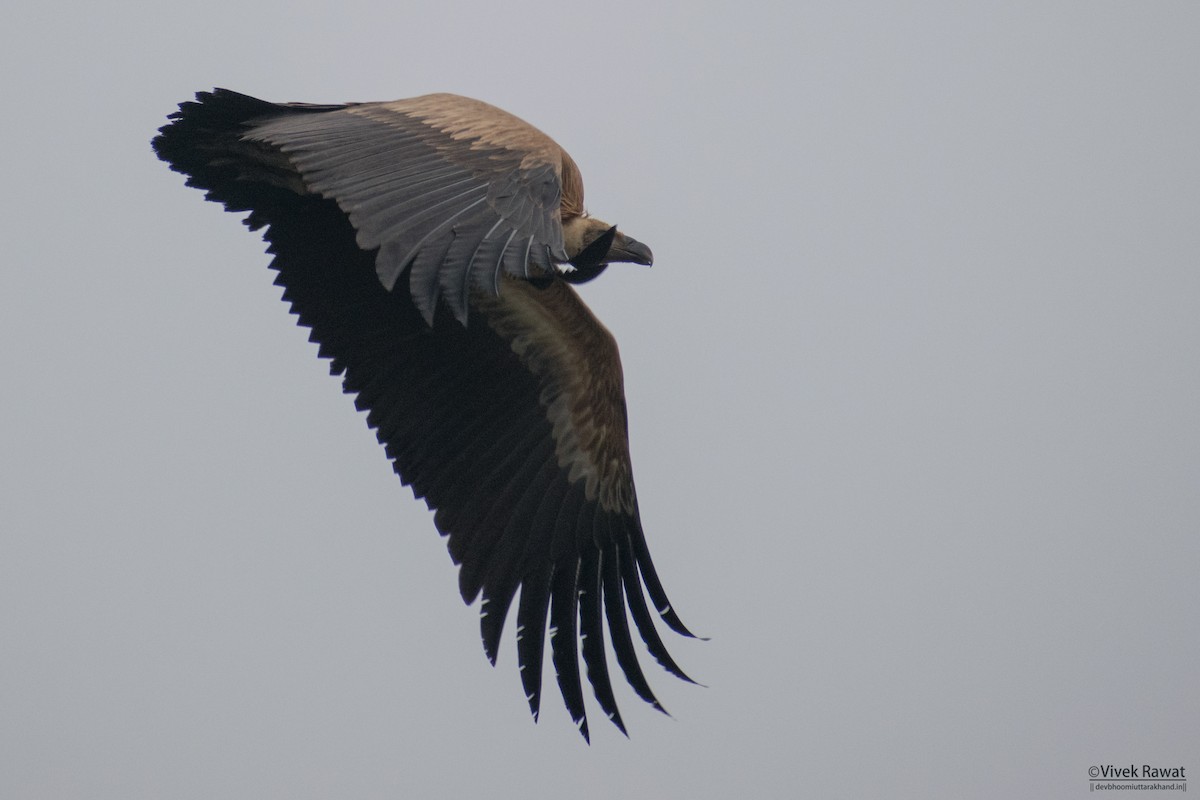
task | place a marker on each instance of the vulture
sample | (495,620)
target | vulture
(430,245)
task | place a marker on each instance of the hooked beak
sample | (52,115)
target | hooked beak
(610,246)
(626,248)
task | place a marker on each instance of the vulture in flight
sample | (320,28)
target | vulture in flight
(430,244)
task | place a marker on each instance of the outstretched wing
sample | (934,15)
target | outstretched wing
(511,426)
(456,189)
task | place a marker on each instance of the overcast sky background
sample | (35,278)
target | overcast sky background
(914,389)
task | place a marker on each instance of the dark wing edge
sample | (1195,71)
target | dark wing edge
(514,521)
(204,141)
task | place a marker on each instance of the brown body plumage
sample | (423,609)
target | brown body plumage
(507,414)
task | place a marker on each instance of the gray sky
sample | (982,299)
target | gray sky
(913,390)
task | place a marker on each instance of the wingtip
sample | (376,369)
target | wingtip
(675,670)
(615,719)
(668,615)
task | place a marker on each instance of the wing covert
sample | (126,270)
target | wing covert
(453,190)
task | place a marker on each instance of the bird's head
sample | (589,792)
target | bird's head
(593,244)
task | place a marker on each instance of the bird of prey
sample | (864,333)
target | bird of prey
(430,244)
